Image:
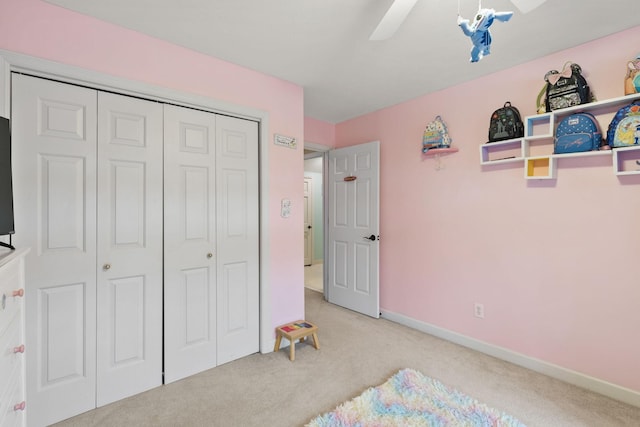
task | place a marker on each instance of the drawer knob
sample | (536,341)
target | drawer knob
(19,406)
(19,349)
(18,292)
(210,255)
(106,267)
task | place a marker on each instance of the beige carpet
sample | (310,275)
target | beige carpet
(356,352)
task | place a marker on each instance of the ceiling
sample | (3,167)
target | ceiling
(324,46)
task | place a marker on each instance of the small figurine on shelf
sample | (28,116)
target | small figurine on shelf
(632,80)
(435,135)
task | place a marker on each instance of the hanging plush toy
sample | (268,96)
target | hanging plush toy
(478,30)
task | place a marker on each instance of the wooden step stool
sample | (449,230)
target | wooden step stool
(298,330)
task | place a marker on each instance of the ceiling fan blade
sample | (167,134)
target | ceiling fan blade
(526,6)
(392,20)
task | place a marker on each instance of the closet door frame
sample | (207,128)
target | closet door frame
(15,62)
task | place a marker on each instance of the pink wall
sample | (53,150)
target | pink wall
(554,263)
(319,132)
(42,30)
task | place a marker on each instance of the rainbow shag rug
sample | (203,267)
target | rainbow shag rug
(410,399)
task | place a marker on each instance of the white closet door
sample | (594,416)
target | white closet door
(129,279)
(237,237)
(54,154)
(190,242)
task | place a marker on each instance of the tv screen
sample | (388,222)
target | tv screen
(6,185)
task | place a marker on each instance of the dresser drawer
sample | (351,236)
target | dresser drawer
(10,341)
(10,277)
(10,283)
(9,398)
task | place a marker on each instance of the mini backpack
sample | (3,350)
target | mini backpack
(577,133)
(564,89)
(435,135)
(505,123)
(624,129)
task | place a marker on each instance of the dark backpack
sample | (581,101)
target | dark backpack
(576,133)
(624,129)
(505,123)
(566,88)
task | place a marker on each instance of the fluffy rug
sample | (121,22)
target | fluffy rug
(412,399)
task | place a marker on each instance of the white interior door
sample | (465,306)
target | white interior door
(353,245)
(238,236)
(129,278)
(190,242)
(54,153)
(308,221)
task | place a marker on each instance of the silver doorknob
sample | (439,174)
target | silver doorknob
(106,267)
(209,255)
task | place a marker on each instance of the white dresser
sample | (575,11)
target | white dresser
(12,366)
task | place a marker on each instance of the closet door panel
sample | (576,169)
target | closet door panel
(61,219)
(54,155)
(190,238)
(129,325)
(237,238)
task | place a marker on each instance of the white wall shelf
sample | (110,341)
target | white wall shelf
(540,168)
(535,149)
(508,151)
(626,161)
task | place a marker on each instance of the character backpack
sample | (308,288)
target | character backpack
(566,88)
(505,123)
(435,135)
(624,129)
(576,133)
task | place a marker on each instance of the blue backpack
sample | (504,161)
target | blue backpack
(577,133)
(624,129)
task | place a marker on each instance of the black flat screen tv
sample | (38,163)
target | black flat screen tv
(6,184)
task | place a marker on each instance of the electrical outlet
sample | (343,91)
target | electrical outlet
(478,310)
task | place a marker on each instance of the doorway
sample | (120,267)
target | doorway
(350,224)
(314,216)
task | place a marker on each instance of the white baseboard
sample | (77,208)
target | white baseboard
(572,377)
(269,348)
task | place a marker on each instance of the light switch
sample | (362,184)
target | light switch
(285,208)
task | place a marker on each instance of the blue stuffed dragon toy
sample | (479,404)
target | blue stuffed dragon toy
(478,30)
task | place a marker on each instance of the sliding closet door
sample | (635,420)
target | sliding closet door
(237,237)
(129,277)
(190,242)
(54,153)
